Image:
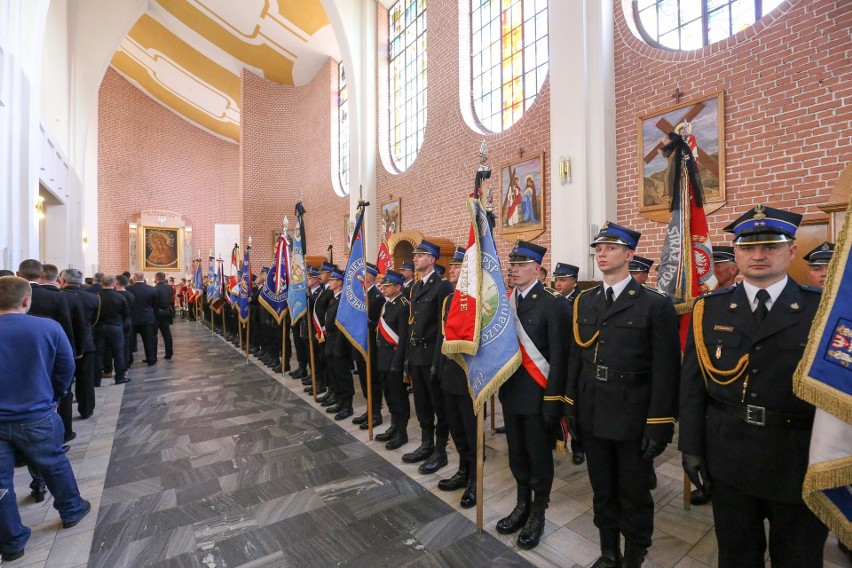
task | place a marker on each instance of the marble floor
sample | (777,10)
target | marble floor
(208,461)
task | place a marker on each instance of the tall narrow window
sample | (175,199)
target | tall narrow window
(343,129)
(509,58)
(407,80)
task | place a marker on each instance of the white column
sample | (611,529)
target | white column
(582,126)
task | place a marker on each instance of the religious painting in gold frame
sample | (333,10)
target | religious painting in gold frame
(391,221)
(522,198)
(702,122)
(161,249)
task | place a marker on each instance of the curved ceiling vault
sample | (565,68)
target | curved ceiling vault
(188,54)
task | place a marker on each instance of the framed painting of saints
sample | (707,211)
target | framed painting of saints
(162,249)
(701,124)
(522,198)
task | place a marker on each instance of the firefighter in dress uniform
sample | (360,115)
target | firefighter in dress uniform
(375,302)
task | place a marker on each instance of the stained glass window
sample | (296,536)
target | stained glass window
(509,58)
(343,129)
(691,24)
(407,80)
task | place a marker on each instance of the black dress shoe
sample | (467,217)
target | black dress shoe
(152,363)
(344,413)
(334,408)
(377,421)
(69,524)
(500,430)
(10,556)
(468,499)
(66,447)
(326,396)
(168,357)
(533,529)
(299,373)
(457,481)
(69,437)
(436,461)
(515,521)
(121,381)
(330,401)
(579,458)
(386,435)
(276,369)
(306,382)
(699,497)
(38,494)
(360,419)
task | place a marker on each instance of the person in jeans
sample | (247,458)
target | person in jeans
(38,366)
(109,333)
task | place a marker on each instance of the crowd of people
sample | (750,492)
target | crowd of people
(603,368)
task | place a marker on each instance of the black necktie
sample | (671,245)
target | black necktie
(762,310)
(520,298)
(610,297)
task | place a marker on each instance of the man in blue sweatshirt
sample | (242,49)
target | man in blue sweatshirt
(38,365)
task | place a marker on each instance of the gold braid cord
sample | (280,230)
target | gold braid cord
(580,342)
(707,368)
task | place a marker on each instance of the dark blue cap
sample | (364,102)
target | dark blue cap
(723,254)
(441,270)
(762,225)
(640,264)
(458,256)
(313,272)
(372,269)
(616,234)
(407,266)
(525,251)
(393,277)
(326,267)
(336,273)
(565,270)
(820,255)
(425,247)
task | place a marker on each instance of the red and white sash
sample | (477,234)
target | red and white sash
(318,328)
(531,358)
(389,335)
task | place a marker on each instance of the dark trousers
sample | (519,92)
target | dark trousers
(530,452)
(622,489)
(64,410)
(429,401)
(84,384)
(147,331)
(319,363)
(376,387)
(796,535)
(303,354)
(164,325)
(109,341)
(339,373)
(396,393)
(462,423)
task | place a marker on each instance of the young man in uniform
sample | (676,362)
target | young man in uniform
(391,346)
(374,305)
(338,353)
(622,394)
(565,280)
(818,260)
(741,426)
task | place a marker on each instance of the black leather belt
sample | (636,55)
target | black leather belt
(760,416)
(606,375)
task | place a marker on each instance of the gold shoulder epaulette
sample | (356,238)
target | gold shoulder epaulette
(405,301)
(660,292)
(552,292)
(593,288)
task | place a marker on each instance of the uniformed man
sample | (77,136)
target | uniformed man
(314,330)
(427,298)
(565,280)
(320,308)
(375,301)
(407,271)
(532,397)
(741,425)
(391,347)
(724,266)
(460,417)
(818,260)
(640,268)
(338,353)
(621,396)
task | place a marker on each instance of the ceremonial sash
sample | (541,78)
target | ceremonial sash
(531,358)
(386,331)
(318,328)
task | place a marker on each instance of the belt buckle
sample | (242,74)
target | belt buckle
(755,415)
(601,373)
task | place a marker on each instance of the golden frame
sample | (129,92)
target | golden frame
(706,115)
(167,258)
(522,215)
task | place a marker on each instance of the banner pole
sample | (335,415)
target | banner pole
(240,334)
(493,412)
(480,450)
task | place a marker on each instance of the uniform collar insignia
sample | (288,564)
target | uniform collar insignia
(535,296)
(733,306)
(632,292)
(794,306)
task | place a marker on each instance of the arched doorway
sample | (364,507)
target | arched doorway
(401,247)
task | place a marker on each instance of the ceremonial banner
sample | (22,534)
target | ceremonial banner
(384,261)
(824,378)
(352,312)
(275,290)
(480,332)
(234,278)
(686,263)
(195,290)
(244,297)
(211,278)
(298,294)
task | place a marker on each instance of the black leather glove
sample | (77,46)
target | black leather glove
(696,470)
(573,425)
(651,448)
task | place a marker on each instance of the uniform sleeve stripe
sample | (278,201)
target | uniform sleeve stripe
(667,420)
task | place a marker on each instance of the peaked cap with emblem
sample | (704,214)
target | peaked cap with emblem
(336,273)
(393,277)
(458,256)
(723,254)
(763,225)
(640,264)
(616,234)
(407,266)
(326,267)
(821,255)
(425,247)
(563,270)
(525,251)
(372,269)
(313,272)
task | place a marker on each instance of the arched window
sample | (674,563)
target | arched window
(343,130)
(509,58)
(691,24)
(407,80)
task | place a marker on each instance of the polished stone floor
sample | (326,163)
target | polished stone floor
(208,461)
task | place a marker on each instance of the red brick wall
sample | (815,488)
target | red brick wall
(788,106)
(285,155)
(434,187)
(150,158)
